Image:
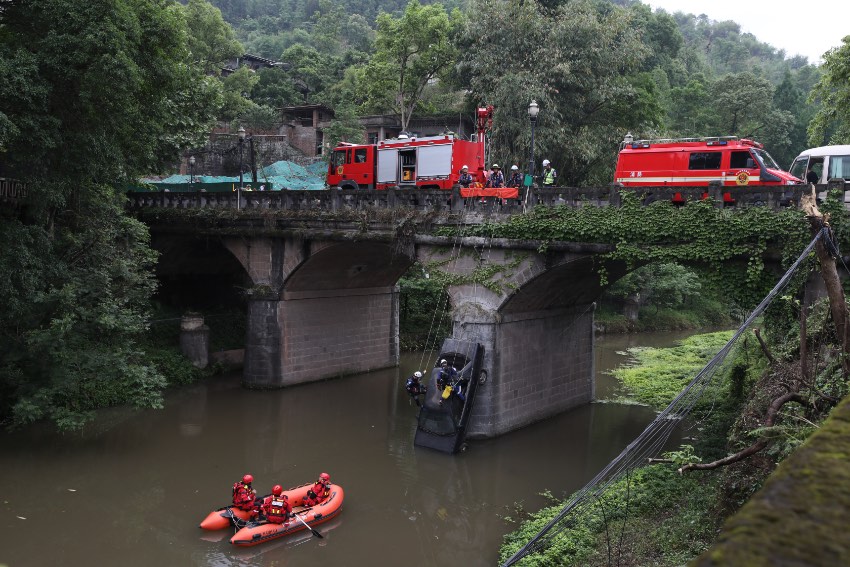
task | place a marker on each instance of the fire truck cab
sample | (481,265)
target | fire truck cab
(431,162)
(728,161)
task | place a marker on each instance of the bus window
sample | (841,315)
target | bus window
(704,160)
(839,167)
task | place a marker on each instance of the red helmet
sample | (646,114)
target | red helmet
(247,479)
(325,476)
(277,490)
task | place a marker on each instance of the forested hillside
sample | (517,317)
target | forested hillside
(599,69)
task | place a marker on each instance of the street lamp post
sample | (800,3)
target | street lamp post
(241,132)
(192,172)
(241,143)
(533,110)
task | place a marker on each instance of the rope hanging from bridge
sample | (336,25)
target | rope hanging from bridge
(650,442)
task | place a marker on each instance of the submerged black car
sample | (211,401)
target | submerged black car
(444,415)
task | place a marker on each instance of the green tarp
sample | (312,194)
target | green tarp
(278,176)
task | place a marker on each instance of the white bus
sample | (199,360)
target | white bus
(828,162)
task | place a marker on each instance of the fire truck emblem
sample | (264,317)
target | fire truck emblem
(743,178)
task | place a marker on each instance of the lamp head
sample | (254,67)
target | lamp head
(241,133)
(533,110)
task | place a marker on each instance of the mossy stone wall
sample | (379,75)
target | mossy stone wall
(800,516)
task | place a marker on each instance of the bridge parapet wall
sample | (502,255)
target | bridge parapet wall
(775,197)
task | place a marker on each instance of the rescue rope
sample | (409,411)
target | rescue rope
(650,442)
(441,302)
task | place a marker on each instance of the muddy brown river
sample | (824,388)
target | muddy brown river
(132,489)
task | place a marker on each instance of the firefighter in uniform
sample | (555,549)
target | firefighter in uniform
(497,178)
(465,179)
(319,492)
(516,178)
(244,494)
(549,174)
(277,508)
(414,387)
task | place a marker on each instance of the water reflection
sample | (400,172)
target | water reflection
(133,488)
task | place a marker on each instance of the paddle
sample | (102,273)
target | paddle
(315,532)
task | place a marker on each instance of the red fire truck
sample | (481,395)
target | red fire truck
(728,160)
(431,162)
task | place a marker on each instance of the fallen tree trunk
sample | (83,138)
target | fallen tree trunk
(837,303)
(769,421)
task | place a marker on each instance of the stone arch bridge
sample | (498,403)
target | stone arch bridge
(323,299)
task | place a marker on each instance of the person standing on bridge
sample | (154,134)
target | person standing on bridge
(496,180)
(549,174)
(812,176)
(516,178)
(465,179)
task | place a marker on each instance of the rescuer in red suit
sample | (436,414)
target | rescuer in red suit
(319,491)
(276,507)
(244,494)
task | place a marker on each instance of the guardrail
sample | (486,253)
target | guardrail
(774,197)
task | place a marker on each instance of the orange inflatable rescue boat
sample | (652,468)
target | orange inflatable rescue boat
(307,517)
(224,517)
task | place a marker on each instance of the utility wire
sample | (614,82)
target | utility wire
(653,438)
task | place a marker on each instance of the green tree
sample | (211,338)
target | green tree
(94,94)
(237,93)
(211,40)
(660,285)
(344,127)
(742,104)
(831,123)
(410,52)
(579,61)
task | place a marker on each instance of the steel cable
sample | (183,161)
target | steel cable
(653,438)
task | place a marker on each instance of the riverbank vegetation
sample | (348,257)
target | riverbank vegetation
(770,394)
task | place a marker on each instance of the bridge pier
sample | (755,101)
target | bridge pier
(538,363)
(309,336)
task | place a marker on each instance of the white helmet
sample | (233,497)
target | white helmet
(514,168)
(464,167)
(444,361)
(546,162)
(417,374)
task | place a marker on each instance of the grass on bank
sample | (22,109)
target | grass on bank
(656,516)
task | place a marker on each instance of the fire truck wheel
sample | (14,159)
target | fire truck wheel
(349,185)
